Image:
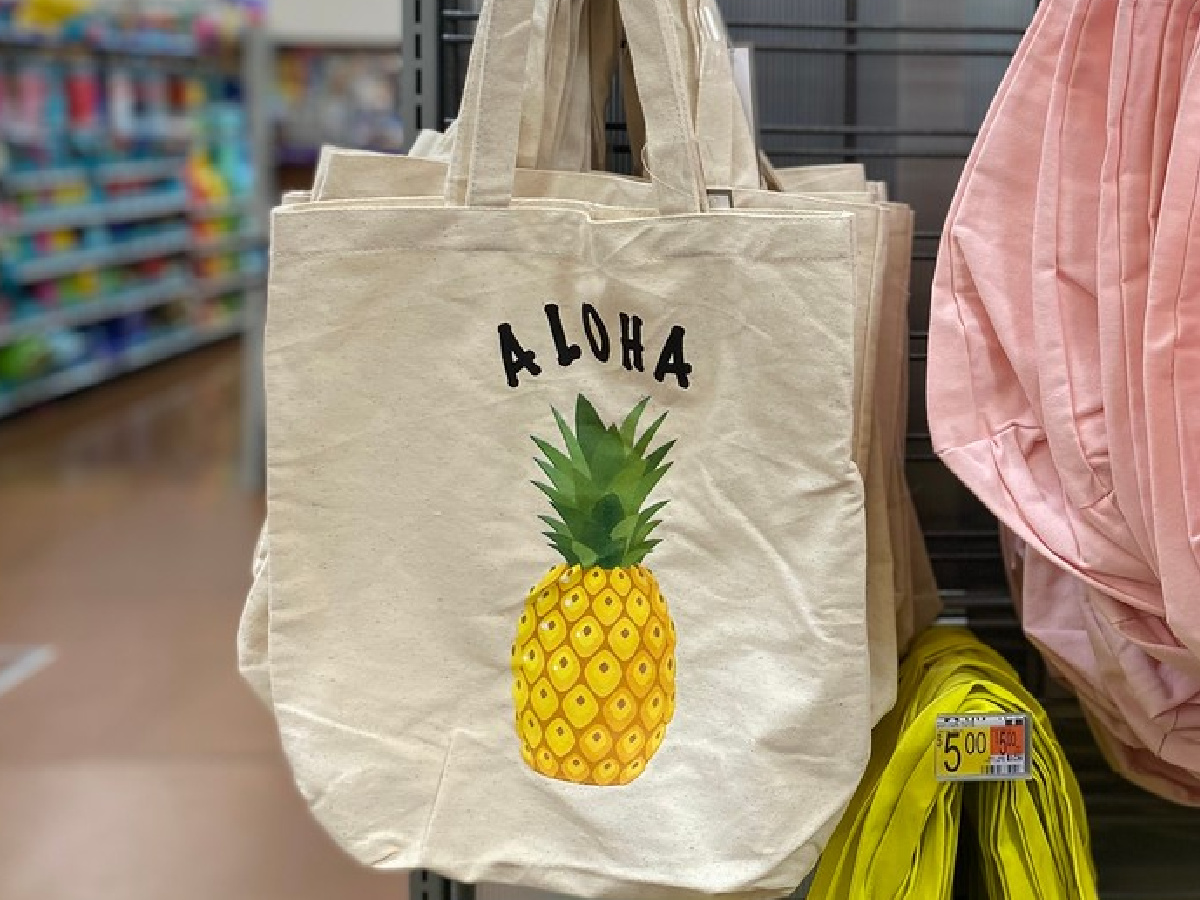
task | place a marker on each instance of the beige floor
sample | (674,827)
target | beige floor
(137,766)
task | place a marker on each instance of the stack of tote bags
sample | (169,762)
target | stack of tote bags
(1061,347)
(723,551)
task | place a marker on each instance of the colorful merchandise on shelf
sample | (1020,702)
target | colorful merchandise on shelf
(347,97)
(83,95)
(49,15)
(125,190)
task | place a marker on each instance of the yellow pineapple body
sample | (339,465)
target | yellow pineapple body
(593,674)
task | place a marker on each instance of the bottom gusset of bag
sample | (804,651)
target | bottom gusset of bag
(1062,362)
(900,835)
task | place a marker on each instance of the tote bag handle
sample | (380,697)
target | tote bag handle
(483,164)
(728,148)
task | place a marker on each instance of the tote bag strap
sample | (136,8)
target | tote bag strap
(727,145)
(729,152)
(483,166)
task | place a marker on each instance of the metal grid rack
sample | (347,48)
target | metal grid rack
(904,86)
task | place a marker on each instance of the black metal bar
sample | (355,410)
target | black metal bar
(873,28)
(868,153)
(837,49)
(850,81)
(442,100)
(465,15)
(870,131)
(839,130)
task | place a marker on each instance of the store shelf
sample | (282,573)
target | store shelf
(136,209)
(90,374)
(122,303)
(131,209)
(165,347)
(207,288)
(141,170)
(220,209)
(164,45)
(176,240)
(232,243)
(43,179)
(174,46)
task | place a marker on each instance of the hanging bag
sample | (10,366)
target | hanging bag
(413,351)
(352,175)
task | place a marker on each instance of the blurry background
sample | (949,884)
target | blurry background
(141,146)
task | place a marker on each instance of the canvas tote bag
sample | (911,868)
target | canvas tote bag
(730,160)
(356,175)
(399,568)
(889,504)
(1053,467)
(346,174)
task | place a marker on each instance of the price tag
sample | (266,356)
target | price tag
(983,748)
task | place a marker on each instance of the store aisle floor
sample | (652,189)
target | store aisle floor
(136,765)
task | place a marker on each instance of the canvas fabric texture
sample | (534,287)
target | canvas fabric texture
(404,533)
(895,547)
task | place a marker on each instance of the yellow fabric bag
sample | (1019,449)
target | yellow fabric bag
(899,836)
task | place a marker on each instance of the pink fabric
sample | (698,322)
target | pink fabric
(1027,430)
(1172,372)
(1149,37)
(1060,620)
(986,423)
(1143,656)
(1065,314)
(1058,266)
(1125,177)
(989,428)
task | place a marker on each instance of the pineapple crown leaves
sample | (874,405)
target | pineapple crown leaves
(600,485)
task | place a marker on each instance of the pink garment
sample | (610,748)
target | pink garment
(1037,316)
(983,392)
(1143,35)
(1172,371)
(1059,620)
(1065,314)
(1151,662)
(990,427)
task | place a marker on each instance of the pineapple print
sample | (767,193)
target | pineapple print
(594,660)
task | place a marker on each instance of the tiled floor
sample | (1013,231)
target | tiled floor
(137,766)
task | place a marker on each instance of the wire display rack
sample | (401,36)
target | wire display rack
(904,87)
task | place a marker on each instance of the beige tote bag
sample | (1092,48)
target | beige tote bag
(353,175)
(412,352)
(890,543)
